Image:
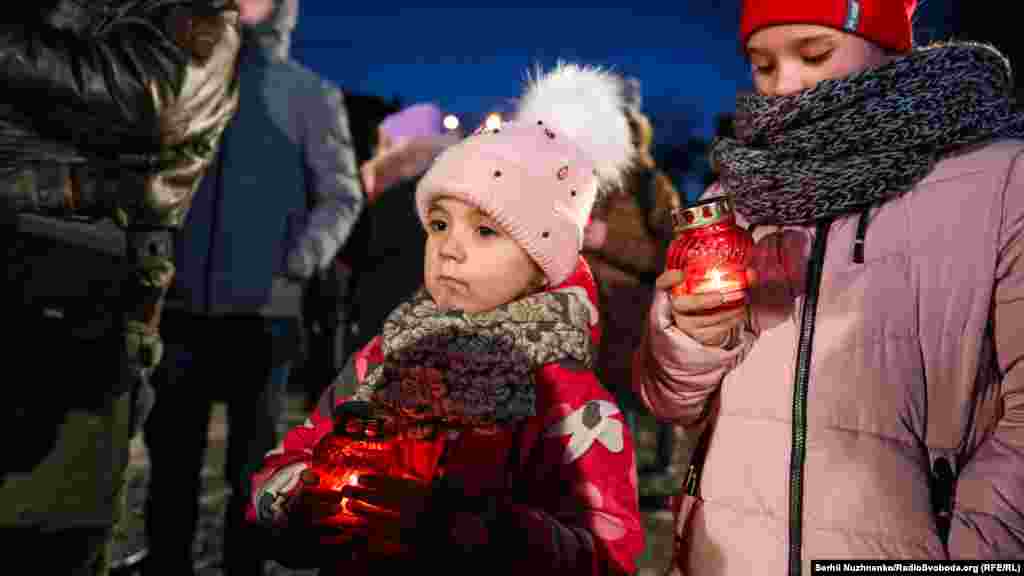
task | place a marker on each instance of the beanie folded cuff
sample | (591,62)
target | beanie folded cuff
(886,23)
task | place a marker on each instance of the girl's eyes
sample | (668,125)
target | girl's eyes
(762,65)
(441,226)
(818,58)
(810,59)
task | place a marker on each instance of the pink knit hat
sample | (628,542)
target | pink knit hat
(539,174)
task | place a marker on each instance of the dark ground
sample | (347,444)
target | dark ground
(207,548)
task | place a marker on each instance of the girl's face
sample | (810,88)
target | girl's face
(252,12)
(790,58)
(471,264)
(384,142)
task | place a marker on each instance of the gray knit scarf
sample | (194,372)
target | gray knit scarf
(476,370)
(848,144)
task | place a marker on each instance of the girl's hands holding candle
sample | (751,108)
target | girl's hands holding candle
(382,512)
(390,504)
(708,272)
(713,319)
(319,504)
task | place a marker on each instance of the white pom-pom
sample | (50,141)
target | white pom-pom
(584,104)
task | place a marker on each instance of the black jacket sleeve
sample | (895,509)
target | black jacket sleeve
(81,71)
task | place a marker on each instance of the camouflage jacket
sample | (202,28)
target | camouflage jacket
(111,113)
(110,116)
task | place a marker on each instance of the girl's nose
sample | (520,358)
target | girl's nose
(452,248)
(788,80)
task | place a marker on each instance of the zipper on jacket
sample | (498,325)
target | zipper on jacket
(801,380)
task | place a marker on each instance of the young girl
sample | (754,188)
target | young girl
(869,400)
(501,341)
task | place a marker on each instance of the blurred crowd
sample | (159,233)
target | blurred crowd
(265,235)
(304,277)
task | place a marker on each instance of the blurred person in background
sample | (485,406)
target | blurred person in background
(97,172)
(273,211)
(625,244)
(388,266)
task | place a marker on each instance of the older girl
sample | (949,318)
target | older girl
(867,403)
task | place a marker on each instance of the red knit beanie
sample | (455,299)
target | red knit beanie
(887,23)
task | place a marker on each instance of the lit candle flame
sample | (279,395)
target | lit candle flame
(353,480)
(716,279)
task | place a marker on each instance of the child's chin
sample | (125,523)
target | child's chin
(453,303)
(444,300)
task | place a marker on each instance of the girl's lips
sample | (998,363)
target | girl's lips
(452,282)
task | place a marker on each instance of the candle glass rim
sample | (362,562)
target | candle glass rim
(713,200)
(725,210)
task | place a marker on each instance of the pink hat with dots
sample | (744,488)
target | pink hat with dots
(538,175)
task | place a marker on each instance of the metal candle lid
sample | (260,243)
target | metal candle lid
(701,214)
(361,420)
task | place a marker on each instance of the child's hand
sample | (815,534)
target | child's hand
(390,505)
(317,511)
(702,316)
(430,521)
(306,529)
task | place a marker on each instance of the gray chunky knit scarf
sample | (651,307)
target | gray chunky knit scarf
(847,144)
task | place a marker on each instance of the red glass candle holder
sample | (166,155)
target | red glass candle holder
(364,441)
(368,439)
(711,249)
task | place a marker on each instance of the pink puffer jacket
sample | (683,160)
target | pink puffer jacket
(917,356)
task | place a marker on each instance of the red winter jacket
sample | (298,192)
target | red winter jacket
(575,478)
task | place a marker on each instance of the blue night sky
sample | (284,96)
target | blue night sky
(469,60)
